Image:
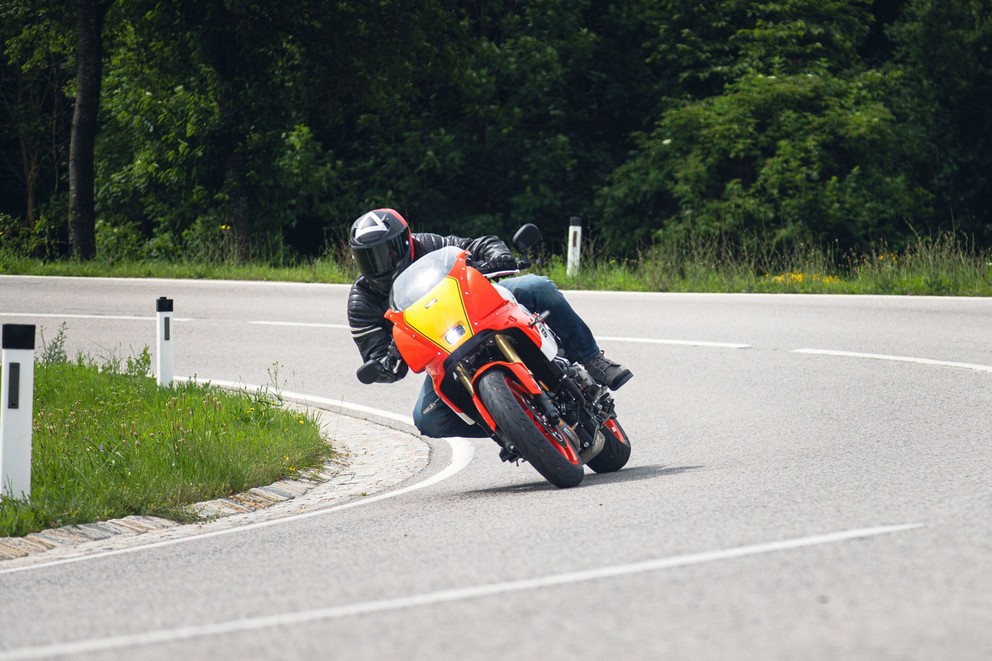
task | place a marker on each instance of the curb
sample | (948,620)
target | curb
(369,458)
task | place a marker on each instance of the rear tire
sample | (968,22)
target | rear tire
(520,422)
(616,450)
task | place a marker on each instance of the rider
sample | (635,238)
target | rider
(382,245)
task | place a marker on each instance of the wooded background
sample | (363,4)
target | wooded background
(170,128)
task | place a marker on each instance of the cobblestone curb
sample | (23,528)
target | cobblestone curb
(369,458)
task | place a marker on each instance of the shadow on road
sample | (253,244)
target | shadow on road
(631,474)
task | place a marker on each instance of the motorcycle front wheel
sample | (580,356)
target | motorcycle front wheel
(521,423)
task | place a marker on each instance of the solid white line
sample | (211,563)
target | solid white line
(685,343)
(311,399)
(85,316)
(298,324)
(438,597)
(898,359)
(462,452)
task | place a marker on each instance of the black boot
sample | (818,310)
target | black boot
(605,371)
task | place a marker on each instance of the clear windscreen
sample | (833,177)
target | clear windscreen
(421,277)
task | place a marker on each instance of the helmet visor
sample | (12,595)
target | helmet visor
(380,260)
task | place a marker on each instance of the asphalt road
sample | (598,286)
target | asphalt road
(810,479)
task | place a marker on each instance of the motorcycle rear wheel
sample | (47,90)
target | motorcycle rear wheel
(517,419)
(616,450)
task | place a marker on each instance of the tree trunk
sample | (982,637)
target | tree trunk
(89,71)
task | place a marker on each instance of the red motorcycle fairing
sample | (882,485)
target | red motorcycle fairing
(485,309)
(496,364)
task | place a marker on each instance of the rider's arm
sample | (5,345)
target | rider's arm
(489,253)
(372,332)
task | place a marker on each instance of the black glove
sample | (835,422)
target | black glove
(392,367)
(496,264)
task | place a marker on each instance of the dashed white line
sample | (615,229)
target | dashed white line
(437,597)
(683,343)
(299,324)
(116,317)
(898,359)
(643,340)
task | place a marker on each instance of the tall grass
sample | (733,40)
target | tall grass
(109,442)
(941,265)
(324,269)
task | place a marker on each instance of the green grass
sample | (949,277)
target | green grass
(109,442)
(935,267)
(939,266)
(318,270)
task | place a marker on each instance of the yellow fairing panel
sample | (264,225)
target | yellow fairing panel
(439,312)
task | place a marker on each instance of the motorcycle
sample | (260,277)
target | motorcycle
(498,365)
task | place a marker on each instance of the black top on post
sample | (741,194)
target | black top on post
(163,304)
(575,221)
(18,336)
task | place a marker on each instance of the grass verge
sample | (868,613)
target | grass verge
(940,266)
(109,442)
(929,267)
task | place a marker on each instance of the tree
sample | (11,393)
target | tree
(89,72)
(942,51)
(799,144)
(34,110)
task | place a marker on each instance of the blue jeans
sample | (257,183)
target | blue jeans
(433,417)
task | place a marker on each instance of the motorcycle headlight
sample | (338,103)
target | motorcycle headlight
(454,334)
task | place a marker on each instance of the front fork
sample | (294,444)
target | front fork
(585,407)
(515,365)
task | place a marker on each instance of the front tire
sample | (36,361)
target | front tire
(616,450)
(520,422)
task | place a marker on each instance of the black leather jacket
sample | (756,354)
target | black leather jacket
(371,331)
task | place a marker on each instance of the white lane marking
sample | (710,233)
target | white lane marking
(685,343)
(85,316)
(898,359)
(644,340)
(462,452)
(438,597)
(298,324)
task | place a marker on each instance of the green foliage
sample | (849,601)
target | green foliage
(35,51)
(53,353)
(236,131)
(797,157)
(800,143)
(943,52)
(939,265)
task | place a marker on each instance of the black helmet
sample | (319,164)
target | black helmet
(382,245)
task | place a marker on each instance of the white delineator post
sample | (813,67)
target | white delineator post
(16,410)
(163,340)
(574,245)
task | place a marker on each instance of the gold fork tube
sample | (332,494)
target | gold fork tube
(464,378)
(507,349)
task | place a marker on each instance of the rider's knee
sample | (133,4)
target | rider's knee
(435,423)
(423,423)
(537,289)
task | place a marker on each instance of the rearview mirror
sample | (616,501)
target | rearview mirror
(526,237)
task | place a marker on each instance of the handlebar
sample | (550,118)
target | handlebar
(369,372)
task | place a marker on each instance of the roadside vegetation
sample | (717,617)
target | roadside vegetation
(944,266)
(941,266)
(264,129)
(109,442)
